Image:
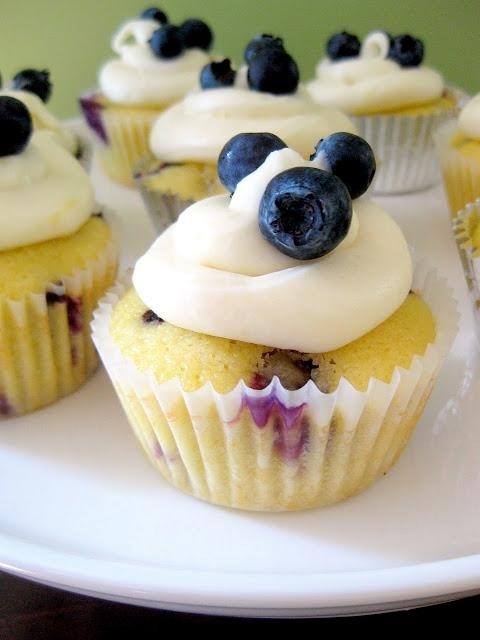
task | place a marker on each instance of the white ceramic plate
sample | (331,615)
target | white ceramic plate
(81,508)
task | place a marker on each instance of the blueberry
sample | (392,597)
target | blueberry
(34,81)
(305,212)
(407,51)
(343,45)
(15,126)
(273,71)
(350,158)
(244,153)
(167,42)
(154,13)
(196,33)
(217,74)
(263,41)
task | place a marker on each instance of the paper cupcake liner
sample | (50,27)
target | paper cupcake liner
(46,349)
(461,175)
(123,135)
(404,148)
(463,225)
(275,449)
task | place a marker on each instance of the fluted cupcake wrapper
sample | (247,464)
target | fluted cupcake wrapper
(404,148)
(463,225)
(45,340)
(275,449)
(461,174)
(123,135)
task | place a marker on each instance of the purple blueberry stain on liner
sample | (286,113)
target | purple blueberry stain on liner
(290,425)
(74,309)
(92,110)
(6,409)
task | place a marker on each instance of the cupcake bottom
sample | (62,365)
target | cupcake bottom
(122,133)
(460,164)
(466,228)
(168,189)
(404,147)
(46,350)
(271,448)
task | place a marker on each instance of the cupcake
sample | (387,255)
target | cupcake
(33,87)
(275,351)
(466,228)
(393,98)
(57,258)
(458,146)
(157,64)
(265,94)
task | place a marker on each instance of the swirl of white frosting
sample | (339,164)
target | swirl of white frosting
(196,128)
(371,83)
(138,77)
(44,193)
(469,118)
(43,119)
(213,272)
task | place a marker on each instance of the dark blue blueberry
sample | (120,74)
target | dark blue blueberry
(151,318)
(35,81)
(196,34)
(273,71)
(244,153)
(350,158)
(154,13)
(305,212)
(263,41)
(167,42)
(15,126)
(343,45)
(217,74)
(406,51)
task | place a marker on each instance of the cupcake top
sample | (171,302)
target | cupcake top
(44,192)
(469,118)
(33,88)
(263,95)
(287,260)
(381,74)
(158,62)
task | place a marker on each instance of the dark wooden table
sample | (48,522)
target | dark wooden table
(29,611)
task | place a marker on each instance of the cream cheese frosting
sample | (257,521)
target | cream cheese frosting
(138,77)
(371,83)
(196,128)
(469,118)
(44,193)
(43,119)
(213,272)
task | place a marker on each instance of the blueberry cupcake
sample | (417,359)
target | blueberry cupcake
(157,64)
(458,147)
(33,87)
(265,94)
(394,99)
(57,257)
(242,385)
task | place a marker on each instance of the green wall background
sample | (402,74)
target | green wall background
(72,39)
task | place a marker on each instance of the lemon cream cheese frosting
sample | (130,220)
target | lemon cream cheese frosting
(373,82)
(139,77)
(43,119)
(196,128)
(214,272)
(469,118)
(44,193)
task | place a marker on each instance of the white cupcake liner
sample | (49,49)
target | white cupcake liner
(461,175)
(404,148)
(45,340)
(275,449)
(462,225)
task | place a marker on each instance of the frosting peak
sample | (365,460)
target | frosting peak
(469,118)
